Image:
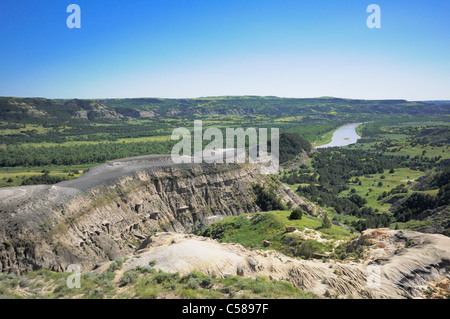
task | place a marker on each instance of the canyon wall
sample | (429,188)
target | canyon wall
(54,226)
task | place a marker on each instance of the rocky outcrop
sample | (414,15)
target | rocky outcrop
(412,261)
(395,271)
(92,110)
(109,212)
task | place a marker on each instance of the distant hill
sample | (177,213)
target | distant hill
(438,102)
(13,109)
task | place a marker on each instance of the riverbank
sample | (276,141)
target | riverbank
(342,136)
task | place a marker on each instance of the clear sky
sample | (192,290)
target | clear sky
(193,48)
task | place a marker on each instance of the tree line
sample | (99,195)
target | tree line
(30,156)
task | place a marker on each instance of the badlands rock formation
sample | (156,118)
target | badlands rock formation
(145,207)
(399,264)
(109,211)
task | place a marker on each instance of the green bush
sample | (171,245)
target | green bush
(296,214)
(308,248)
(105,277)
(88,275)
(162,277)
(130,277)
(193,283)
(146,269)
(115,265)
(207,282)
(192,274)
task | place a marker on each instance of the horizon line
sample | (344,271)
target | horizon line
(225,96)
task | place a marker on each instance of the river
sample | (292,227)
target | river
(345,135)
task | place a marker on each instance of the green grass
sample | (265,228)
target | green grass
(121,140)
(325,138)
(28,127)
(140,284)
(401,176)
(251,230)
(16,177)
(19,174)
(431,151)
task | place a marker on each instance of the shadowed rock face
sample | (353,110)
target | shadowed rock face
(108,212)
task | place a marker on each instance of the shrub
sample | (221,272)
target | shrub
(61,290)
(146,269)
(163,277)
(148,293)
(105,277)
(128,278)
(296,214)
(193,283)
(192,274)
(207,282)
(308,248)
(88,275)
(115,265)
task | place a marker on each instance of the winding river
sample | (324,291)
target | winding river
(345,135)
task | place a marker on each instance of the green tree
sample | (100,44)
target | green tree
(326,223)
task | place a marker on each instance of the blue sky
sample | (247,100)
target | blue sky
(192,48)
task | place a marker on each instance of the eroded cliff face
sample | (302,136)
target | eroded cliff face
(53,226)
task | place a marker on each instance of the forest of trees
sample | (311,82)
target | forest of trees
(43,179)
(333,169)
(419,205)
(266,198)
(292,145)
(29,156)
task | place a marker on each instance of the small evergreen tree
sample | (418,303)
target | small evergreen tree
(326,223)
